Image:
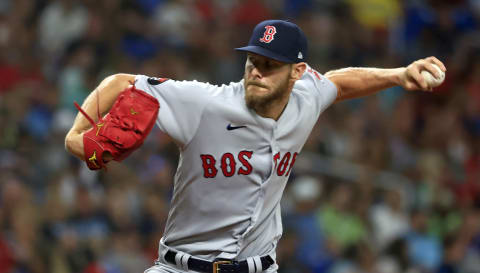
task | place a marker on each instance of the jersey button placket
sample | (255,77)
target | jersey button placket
(275,150)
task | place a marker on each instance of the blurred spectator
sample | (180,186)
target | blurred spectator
(389,219)
(61,22)
(73,78)
(376,14)
(395,258)
(454,251)
(338,219)
(358,258)
(286,255)
(467,243)
(312,248)
(423,249)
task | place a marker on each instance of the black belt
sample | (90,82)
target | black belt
(220,266)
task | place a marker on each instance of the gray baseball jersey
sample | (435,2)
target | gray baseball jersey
(234,164)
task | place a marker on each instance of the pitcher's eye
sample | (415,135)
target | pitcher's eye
(271,64)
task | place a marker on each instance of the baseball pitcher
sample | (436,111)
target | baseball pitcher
(238,143)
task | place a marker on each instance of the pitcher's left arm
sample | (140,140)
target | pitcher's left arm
(358,82)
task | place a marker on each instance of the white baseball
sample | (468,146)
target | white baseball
(430,79)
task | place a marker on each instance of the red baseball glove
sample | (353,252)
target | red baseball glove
(122,130)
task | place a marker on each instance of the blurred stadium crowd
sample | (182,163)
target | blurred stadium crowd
(385,184)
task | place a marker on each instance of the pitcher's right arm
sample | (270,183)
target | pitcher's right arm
(104,96)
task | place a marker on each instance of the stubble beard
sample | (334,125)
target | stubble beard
(260,103)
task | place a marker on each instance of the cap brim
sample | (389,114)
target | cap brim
(265,52)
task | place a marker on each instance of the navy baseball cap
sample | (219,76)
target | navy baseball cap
(280,40)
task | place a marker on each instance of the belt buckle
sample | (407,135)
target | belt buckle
(216,268)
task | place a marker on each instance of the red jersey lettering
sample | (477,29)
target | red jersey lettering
(208,163)
(228,165)
(283,164)
(291,164)
(243,157)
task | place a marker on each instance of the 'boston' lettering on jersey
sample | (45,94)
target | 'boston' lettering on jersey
(228,164)
(284,163)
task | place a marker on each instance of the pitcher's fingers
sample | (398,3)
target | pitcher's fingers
(429,67)
(436,61)
(417,77)
(412,85)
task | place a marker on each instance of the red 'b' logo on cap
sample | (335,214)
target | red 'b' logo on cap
(269,34)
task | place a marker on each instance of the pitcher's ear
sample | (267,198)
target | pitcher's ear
(298,69)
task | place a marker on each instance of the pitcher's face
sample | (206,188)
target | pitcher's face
(266,80)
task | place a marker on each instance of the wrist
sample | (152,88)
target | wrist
(398,75)
(74,143)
